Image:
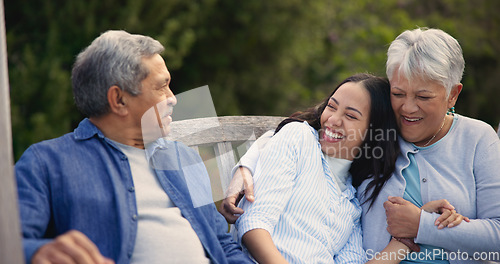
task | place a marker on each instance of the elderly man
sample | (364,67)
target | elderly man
(103,193)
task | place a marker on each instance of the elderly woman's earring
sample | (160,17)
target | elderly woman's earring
(451,111)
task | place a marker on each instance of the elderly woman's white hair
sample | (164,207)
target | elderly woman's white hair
(426,54)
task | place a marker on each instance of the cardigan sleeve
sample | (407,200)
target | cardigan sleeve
(482,234)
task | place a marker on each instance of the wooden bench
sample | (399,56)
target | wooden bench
(226,136)
(221,141)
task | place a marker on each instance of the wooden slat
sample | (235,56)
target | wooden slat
(10,236)
(223,134)
(212,130)
(195,148)
(225,162)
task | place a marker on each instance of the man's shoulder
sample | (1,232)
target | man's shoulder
(65,141)
(85,130)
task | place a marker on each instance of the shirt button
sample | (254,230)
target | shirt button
(131,189)
(424,180)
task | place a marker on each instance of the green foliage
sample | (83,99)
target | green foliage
(258,57)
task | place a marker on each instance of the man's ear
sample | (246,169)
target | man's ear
(454,93)
(117,101)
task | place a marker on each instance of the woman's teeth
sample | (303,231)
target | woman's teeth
(333,135)
(412,119)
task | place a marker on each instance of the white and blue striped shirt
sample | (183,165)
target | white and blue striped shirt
(298,202)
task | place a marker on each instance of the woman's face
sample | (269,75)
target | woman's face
(420,108)
(345,120)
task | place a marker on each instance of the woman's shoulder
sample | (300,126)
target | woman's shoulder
(472,126)
(299,128)
(473,133)
(296,133)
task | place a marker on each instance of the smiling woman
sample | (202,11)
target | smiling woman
(303,182)
(444,155)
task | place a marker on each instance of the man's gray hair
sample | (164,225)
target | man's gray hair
(427,54)
(114,58)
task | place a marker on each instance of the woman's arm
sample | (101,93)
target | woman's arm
(482,234)
(353,252)
(277,168)
(448,218)
(242,181)
(242,178)
(393,253)
(403,217)
(260,244)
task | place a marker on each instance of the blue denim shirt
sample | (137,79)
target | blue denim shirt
(83,181)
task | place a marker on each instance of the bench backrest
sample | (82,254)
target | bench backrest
(226,138)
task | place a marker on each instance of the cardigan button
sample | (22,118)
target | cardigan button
(424,180)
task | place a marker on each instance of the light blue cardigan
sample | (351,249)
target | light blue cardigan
(464,168)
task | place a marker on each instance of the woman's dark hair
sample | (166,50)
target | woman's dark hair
(380,148)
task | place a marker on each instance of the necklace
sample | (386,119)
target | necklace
(442,125)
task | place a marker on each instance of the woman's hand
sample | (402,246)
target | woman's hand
(70,247)
(403,217)
(448,218)
(393,253)
(242,183)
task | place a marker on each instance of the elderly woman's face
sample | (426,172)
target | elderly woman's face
(420,108)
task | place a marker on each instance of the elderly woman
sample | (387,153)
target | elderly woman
(443,155)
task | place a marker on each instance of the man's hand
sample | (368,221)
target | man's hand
(70,247)
(403,217)
(448,218)
(242,183)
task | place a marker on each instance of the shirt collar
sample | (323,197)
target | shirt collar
(86,130)
(156,145)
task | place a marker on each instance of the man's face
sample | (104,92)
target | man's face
(151,109)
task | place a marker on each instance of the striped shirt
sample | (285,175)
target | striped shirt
(298,202)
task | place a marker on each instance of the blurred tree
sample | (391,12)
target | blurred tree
(476,25)
(258,57)
(43,38)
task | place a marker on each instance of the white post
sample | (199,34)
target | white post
(10,234)
(498,130)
